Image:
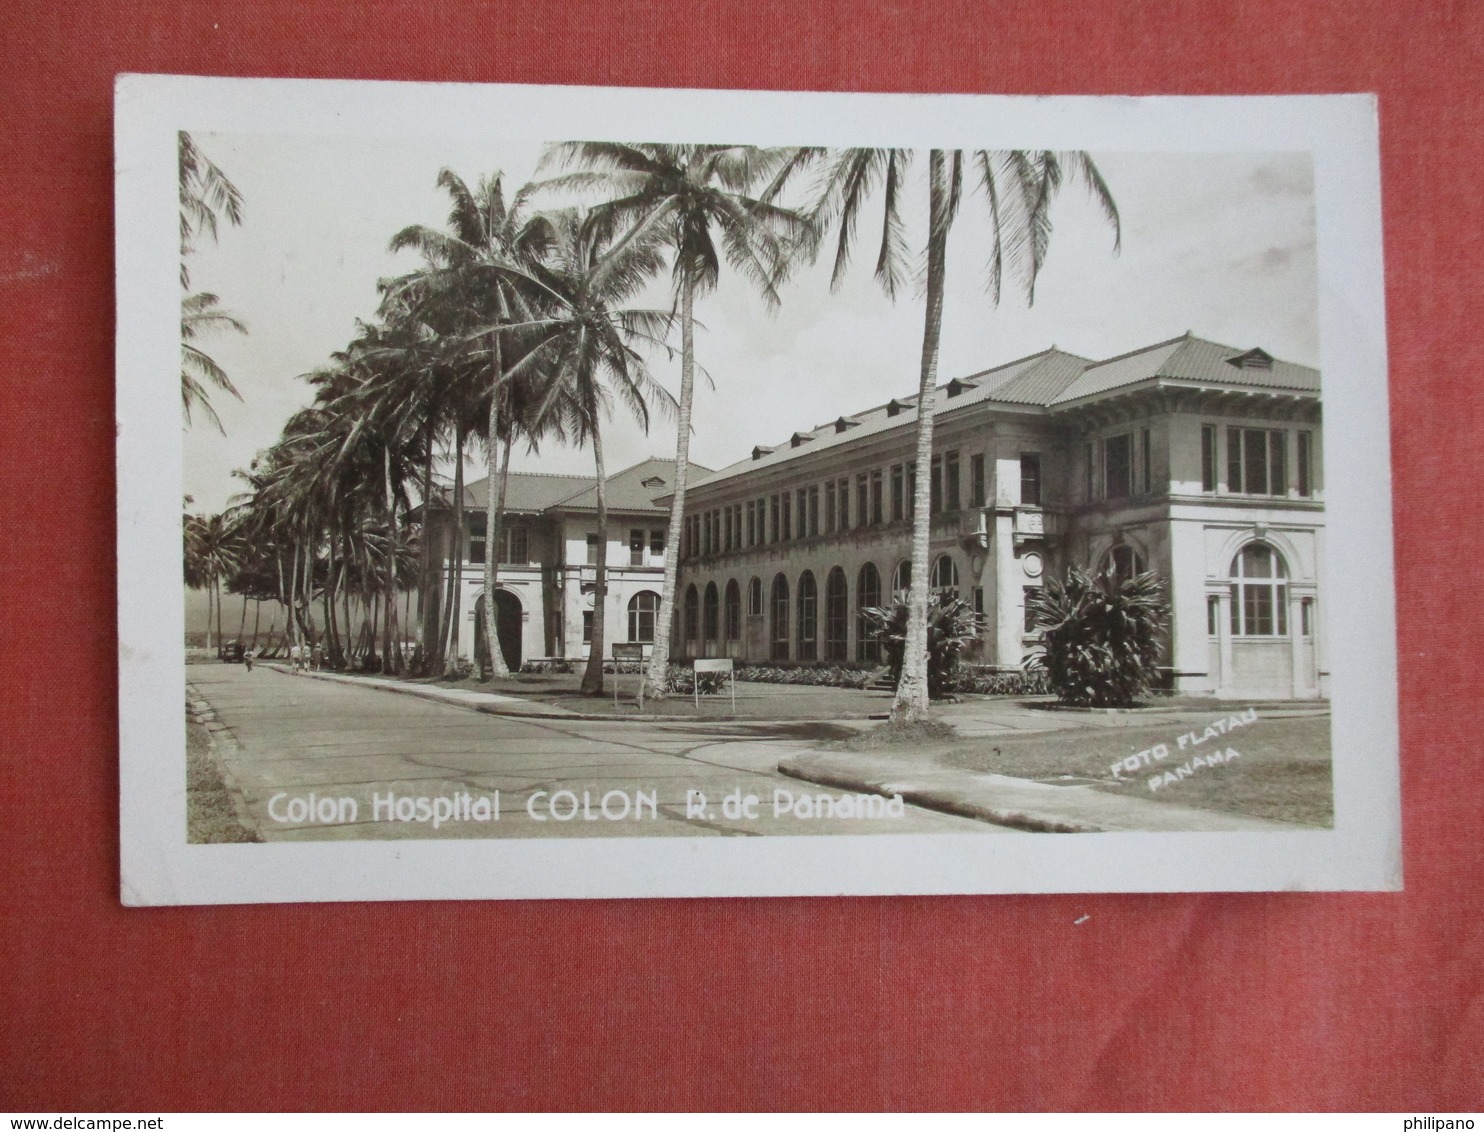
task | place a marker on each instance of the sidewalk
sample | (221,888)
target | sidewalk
(492,703)
(1015,802)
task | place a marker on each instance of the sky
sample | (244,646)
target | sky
(1221,244)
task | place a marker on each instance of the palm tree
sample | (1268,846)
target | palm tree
(583,351)
(212,552)
(686,195)
(205,193)
(477,275)
(1018,186)
(199,315)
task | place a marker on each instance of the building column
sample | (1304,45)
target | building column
(1224,635)
(1296,645)
(1009,616)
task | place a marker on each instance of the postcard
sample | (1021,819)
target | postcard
(578,492)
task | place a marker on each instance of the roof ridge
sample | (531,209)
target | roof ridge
(1187,336)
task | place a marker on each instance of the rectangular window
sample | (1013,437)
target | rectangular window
(786,521)
(751,523)
(1146,462)
(1213,616)
(1305,464)
(979,602)
(1257,461)
(935,485)
(727,535)
(594,543)
(898,504)
(1087,467)
(976,481)
(636,548)
(842,495)
(476,538)
(1030,479)
(862,500)
(950,480)
(802,498)
(829,508)
(774,521)
(587,626)
(911,490)
(1208,457)
(1117,467)
(814,511)
(1306,616)
(1028,595)
(518,546)
(876,498)
(657,545)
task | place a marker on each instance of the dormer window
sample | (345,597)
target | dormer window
(956,386)
(652,481)
(1252,359)
(760,451)
(799,438)
(896,406)
(844,423)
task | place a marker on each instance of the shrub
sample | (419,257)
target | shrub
(983,681)
(1100,638)
(951,626)
(681,679)
(825,676)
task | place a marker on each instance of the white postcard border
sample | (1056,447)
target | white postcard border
(1362,851)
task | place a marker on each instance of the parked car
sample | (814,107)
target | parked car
(232,652)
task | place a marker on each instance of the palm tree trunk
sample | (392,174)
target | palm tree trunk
(592,677)
(450,650)
(495,529)
(208,618)
(911,702)
(242,624)
(657,676)
(257,620)
(390,662)
(494,515)
(427,603)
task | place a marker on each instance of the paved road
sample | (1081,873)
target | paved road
(317,760)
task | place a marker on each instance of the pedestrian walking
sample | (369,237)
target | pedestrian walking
(247,656)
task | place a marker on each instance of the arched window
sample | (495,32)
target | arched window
(944,580)
(867,596)
(692,614)
(733,609)
(711,613)
(1123,562)
(642,608)
(836,615)
(755,598)
(808,617)
(779,635)
(901,581)
(1259,592)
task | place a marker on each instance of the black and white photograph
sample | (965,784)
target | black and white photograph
(578,492)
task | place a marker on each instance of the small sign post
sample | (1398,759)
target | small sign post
(625,652)
(723,664)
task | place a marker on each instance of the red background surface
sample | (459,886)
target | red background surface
(1245,1001)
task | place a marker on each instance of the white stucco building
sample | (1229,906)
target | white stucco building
(1200,461)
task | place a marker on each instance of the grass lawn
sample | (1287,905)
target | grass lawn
(210,816)
(1282,771)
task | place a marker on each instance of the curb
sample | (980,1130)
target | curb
(432,696)
(948,804)
(222,743)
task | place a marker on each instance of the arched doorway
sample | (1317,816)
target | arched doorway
(507,629)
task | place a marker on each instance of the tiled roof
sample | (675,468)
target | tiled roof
(531,492)
(1047,380)
(1189,358)
(632,489)
(1021,380)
